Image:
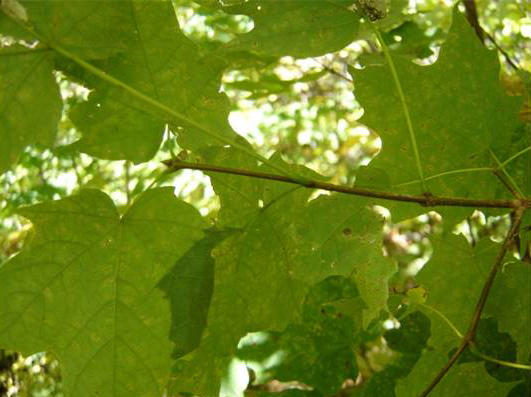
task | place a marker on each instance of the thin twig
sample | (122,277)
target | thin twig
(469,337)
(500,170)
(427,201)
(473,348)
(471,13)
(498,173)
(333,71)
(472,17)
(507,57)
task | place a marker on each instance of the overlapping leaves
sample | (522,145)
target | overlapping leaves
(300,29)
(453,279)
(319,350)
(115,296)
(139,44)
(30,104)
(165,65)
(456,106)
(85,287)
(263,264)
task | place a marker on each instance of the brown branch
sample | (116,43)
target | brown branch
(472,17)
(471,13)
(469,337)
(507,57)
(505,183)
(427,201)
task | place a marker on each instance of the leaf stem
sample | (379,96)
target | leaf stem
(473,347)
(511,185)
(469,336)
(475,351)
(147,99)
(465,170)
(405,108)
(427,201)
(444,318)
(514,156)
(452,172)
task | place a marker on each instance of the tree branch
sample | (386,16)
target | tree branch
(469,337)
(505,183)
(427,201)
(472,17)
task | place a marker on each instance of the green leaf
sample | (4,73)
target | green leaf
(337,235)
(521,389)
(378,179)
(412,335)
(85,287)
(297,28)
(318,351)
(158,302)
(520,167)
(321,358)
(453,279)
(510,303)
(458,111)
(254,277)
(343,235)
(239,196)
(497,345)
(271,84)
(413,42)
(26,115)
(260,268)
(334,295)
(408,341)
(165,65)
(188,286)
(92,29)
(469,379)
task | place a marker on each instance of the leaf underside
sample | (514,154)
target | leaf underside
(157,300)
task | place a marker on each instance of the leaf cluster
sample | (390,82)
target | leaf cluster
(281,290)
